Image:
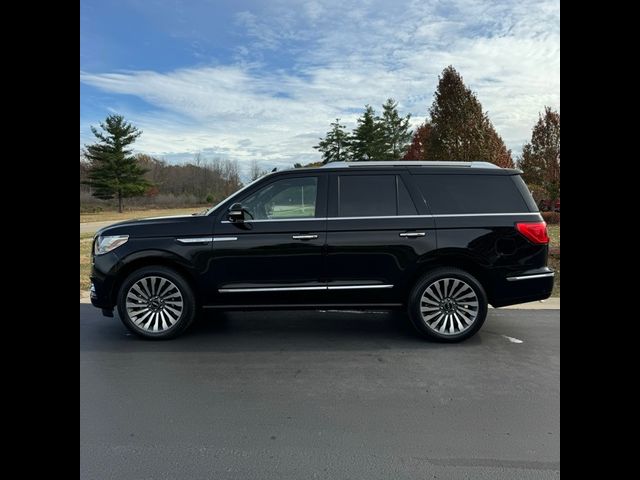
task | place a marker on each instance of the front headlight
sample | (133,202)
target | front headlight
(106,244)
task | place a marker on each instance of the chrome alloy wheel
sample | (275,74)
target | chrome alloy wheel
(154,304)
(449,306)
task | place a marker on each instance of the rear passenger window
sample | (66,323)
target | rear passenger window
(366,195)
(458,194)
(373,195)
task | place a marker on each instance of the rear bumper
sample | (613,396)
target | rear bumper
(527,286)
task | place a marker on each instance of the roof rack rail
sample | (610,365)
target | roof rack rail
(408,163)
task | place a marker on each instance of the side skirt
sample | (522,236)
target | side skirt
(306,306)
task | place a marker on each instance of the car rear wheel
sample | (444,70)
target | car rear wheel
(448,305)
(156,302)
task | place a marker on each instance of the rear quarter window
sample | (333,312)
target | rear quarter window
(459,194)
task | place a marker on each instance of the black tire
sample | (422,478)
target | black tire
(447,312)
(152,277)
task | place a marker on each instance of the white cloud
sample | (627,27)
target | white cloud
(507,52)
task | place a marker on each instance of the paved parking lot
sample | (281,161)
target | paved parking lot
(263,395)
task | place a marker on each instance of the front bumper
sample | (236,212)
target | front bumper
(102,280)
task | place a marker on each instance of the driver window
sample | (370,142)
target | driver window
(283,199)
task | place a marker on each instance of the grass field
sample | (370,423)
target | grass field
(85,260)
(126,215)
(554,235)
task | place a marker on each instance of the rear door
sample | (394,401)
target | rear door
(377,230)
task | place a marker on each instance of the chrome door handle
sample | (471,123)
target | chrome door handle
(412,234)
(304,237)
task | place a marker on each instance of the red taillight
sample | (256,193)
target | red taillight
(535,232)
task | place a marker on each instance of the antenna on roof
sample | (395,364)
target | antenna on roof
(274,169)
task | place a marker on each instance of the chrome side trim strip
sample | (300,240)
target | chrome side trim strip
(528,277)
(442,215)
(293,289)
(194,240)
(484,214)
(224,239)
(268,289)
(354,287)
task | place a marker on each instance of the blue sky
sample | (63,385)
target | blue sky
(262,80)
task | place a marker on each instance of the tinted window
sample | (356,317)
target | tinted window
(366,195)
(286,198)
(526,194)
(405,204)
(470,194)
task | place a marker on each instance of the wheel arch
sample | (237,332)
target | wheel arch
(148,259)
(456,258)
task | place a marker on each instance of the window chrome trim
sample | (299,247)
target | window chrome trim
(293,219)
(294,289)
(379,217)
(194,240)
(483,214)
(224,239)
(442,215)
(528,277)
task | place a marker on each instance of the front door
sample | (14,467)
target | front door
(275,256)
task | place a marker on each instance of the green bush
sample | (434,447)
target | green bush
(552,218)
(209,198)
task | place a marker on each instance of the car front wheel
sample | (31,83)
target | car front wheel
(156,302)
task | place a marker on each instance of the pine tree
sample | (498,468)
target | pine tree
(461,130)
(114,172)
(421,138)
(367,140)
(334,146)
(395,131)
(540,160)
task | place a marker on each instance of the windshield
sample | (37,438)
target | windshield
(212,209)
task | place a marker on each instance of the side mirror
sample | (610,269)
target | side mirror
(236,213)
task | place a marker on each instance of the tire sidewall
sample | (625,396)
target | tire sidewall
(188,312)
(428,279)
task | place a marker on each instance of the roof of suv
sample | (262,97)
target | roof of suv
(408,163)
(417,165)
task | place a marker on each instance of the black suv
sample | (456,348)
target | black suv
(442,239)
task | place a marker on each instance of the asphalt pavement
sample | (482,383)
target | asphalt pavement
(332,395)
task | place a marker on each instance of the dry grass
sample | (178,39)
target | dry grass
(126,215)
(554,235)
(85,260)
